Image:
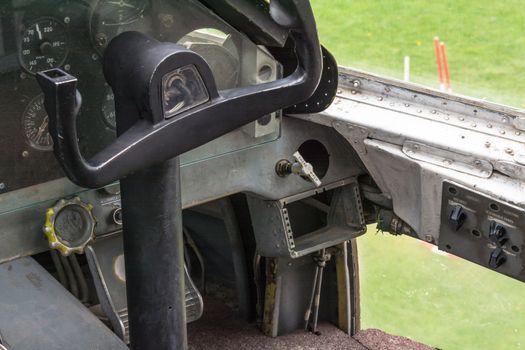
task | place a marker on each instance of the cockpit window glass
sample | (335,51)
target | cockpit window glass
(408,287)
(483,41)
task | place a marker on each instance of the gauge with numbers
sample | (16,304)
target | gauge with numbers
(108,109)
(43,45)
(118,12)
(35,125)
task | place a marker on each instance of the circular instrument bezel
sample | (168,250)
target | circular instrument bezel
(58,63)
(34,144)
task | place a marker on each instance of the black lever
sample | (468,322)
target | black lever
(166,104)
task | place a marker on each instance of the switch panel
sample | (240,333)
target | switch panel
(483,230)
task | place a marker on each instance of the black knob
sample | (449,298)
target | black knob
(457,217)
(497,233)
(497,258)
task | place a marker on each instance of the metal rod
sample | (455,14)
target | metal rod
(318,297)
(84,291)
(58,266)
(199,256)
(311,302)
(154,256)
(72,282)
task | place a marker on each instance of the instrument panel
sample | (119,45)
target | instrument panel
(37,35)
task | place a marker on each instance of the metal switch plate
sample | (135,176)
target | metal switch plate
(472,240)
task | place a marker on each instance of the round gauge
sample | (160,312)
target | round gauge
(44,45)
(35,125)
(118,12)
(108,109)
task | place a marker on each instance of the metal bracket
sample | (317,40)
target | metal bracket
(354,134)
(274,230)
(448,159)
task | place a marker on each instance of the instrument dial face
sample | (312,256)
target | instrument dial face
(44,45)
(35,124)
(118,12)
(108,109)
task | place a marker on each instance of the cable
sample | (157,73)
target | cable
(73,287)
(84,291)
(58,266)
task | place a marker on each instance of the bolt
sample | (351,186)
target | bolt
(505,119)
(429,238)
(101,40)
(518,133)
(25,154)
(353,92)
(67,67)
(339,92)
(487,144)
(419,111)
(433,111)
(489,126)
(509,150)
(67,20)
(461,118)
(167,20)
(2,186)
(356,83)
(94,57)
(407,105)
(502,132)
(473,125)
(380,98)
(477,162)
(23,75)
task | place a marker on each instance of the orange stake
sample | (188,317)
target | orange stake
(439,64)
(445,66)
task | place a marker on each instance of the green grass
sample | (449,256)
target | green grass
(485,41)
(439,300)
(405,288)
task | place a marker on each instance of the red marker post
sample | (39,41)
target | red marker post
(445,67)
(437,47)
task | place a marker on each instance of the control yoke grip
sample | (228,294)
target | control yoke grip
(145,137)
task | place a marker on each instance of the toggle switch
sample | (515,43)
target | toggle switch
(298,167)
(457,217)
(497,258)
(497,233)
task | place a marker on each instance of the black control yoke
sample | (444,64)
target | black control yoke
(149,77)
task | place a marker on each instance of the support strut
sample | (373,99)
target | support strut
(154,257)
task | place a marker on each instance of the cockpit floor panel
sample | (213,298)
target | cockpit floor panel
(220,328)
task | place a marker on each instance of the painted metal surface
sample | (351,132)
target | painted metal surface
(381,118)
(36,313)
(249,170)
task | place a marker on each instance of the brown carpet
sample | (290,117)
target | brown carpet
(219,328)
